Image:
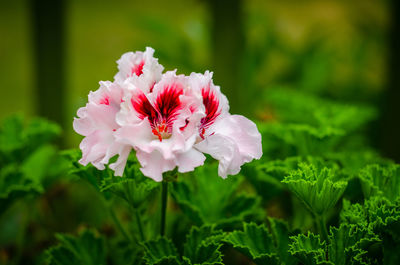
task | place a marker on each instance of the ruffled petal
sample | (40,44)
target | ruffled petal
(189,160)
(153,164)
(223,149)
(137,135)
(120,164)
(234,142)
(140,68)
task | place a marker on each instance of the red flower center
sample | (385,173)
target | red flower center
(164,112)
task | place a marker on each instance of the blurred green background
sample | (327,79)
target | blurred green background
(52,53)
(336,49)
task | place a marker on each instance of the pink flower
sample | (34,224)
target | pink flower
(160,125)
(97,123)
(169,120)
(231,139)
(140,66)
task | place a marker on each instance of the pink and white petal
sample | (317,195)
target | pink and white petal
(154,165)
(223,149)
(84,126)
(189,160)
(136,135)
(200,82)
(102,116)
(120,164)
(245,134)
(94,148)
(234,142)
(139,66)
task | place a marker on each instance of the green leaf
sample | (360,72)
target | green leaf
(160,251)
(203,246)
(18,141)
(349,244)
(86,249)
(378,214)
(318,189)
(256,242)
(197,191)
(280,235)
(300,139)
(89,172)
(308,249)
(382,180)
(26,158)
(134,188)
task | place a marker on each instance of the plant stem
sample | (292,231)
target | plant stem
(164,198)
(321,223)
(139,223)
(119,225)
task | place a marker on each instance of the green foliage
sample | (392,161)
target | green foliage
(293,106)
(378,214)
(318,188)
(202,247)
(349,244)
(134,188)
(27,158)
(381,180)
(256,242)
(300,139)
(316,142)
(160,251)
(263,245)
(86,249)
(194,194)
(308,249)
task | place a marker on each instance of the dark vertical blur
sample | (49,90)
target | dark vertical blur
(48,37)
(390,129)
(227,48)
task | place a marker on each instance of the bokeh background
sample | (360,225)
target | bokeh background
(54,52)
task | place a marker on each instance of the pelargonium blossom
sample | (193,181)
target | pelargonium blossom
(156,125)
(97,123)
(142,67)
(231,139)
(169,120)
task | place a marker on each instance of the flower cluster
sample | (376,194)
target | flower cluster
(169,120)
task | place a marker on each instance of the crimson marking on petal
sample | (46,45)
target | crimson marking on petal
(144,108)
(168,104)
(211,104)
(164,112)
(186,124)
(152,86)
(105,101)
(137,69)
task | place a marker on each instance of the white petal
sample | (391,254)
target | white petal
(119,165)
(223,149)
(234,142)
(154,165)
(189,160)
(136,135)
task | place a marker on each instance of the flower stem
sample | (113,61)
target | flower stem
(164,198)
(139,223)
